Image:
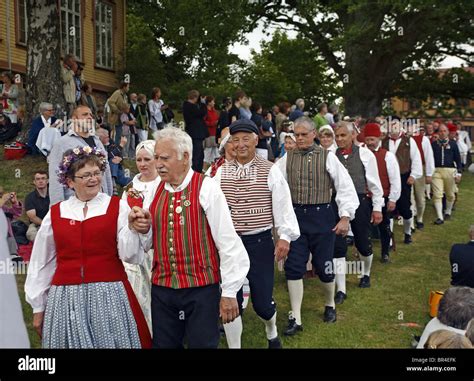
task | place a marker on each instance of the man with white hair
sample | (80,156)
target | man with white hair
(312,172)
(462,262)
(298,111)
(448,172)
(46,119)
(195,247)
(361,164)
(258,197)
(427,159)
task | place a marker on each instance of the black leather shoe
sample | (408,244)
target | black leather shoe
(385,259)
(420,225)
(447,217)
(439,221)
(408,239)
(364,282)
(275,343)
(340,297)
(329,315)
(293,328)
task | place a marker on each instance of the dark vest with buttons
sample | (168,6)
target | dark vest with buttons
(402,154)
(248,195)
(355,167)
(309,181)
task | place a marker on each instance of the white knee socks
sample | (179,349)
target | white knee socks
(295,289)
(367,264)
(449,207)
(407,225)
(438,204)
(340,274)
(233,333)
(329,291)
(270,327)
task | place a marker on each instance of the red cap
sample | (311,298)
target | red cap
(372,129)
(361,137)
(452,127)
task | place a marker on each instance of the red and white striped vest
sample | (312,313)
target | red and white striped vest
(185,253)
(248,195)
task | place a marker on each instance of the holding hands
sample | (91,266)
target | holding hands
(139,220)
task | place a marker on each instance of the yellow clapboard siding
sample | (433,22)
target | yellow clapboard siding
(104,79)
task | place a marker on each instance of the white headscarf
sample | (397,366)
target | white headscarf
(326,128)
(223,143)
(148,146)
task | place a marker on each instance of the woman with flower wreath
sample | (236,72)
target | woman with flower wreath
(140,192)
(76,281)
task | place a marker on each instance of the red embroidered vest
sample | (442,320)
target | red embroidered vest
(185,253)
(87,251)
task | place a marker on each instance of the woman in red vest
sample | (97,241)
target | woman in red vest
(76,282)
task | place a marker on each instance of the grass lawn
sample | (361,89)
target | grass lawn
(369,318)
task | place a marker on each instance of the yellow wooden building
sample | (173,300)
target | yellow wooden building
(98,41)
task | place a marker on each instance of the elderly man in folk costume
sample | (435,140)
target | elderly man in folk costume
(419,187)
(361,164)
(411,169)
(311,172)
(258,195)
(448,172)
(195,247)
(389,174)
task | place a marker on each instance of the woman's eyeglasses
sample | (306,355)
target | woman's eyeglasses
(88,176)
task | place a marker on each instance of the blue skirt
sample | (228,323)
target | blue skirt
(90,315)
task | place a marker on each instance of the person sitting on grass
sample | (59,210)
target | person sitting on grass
(37,203)
(12,209)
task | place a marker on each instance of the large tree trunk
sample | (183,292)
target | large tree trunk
(358,102)
(43,66)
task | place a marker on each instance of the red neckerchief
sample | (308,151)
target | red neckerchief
(347,151)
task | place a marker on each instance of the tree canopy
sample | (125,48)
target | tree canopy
(371,47)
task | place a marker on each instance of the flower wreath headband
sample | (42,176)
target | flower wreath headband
(75,155)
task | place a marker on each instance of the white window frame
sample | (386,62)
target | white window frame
(76,17)
(106,60)
(25,21)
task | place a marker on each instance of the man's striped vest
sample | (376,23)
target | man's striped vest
(247,194)
(308,178)
(185,253)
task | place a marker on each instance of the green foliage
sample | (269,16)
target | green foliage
(144,64)
(370,44)
(187,43)
(287,69)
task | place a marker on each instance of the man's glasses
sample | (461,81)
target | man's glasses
(88,176)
